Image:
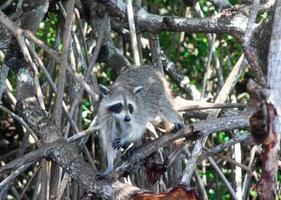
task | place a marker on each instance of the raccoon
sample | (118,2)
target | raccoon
(137,96)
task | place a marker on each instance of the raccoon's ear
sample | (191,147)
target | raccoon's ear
(104,91)
(137,89)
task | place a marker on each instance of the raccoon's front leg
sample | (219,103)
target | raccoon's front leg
(168,114)
(111,155)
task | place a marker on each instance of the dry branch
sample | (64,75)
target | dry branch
(221,98)
(267,186)
(64,62)
(229,21)
(195,131)
(248,49)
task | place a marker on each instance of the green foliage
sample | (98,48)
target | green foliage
(191,54)
(253,194)
(164,6)
(221,137)
(86,113)
(48,29)
(105,75)
(235,2)
(215,188)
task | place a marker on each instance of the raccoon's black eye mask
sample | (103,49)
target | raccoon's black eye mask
(131,108)
(116,108)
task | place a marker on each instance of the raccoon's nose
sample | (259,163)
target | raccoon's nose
(127,118)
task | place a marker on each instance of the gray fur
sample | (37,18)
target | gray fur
(147,90)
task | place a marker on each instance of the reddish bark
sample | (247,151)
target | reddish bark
(180,193)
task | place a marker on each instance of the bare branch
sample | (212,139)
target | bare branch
(132,28)
(228,22)
(200,129)
(29,158)
(3,76)
(267,186)
(222,96)
(249,51)
(183,81)
(219,172)
(64,61)
(221,147)
(20,120)
(16,31)
(155,51)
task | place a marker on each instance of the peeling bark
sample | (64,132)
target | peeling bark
(267,186)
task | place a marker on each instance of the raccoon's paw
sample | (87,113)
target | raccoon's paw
(177,127)
(117,143)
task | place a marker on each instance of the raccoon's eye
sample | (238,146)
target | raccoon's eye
(131,108)
(116,108)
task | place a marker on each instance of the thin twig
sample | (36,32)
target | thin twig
(226,182)
(29,35)
(131,22)
(90,67)
(64,62)
(22,122)
(82,134)
(232,79)
(155,52)
(221,147)
(80,28)
(66,178)
(3,76)
(199,13)
(208,66)
(247,47)
(75,38)
(52,84)
(182,81)
(247,178)
(29,183)
(213,106)
(9,92)
(221,98)
(246,168)
(36,79)
(139,35)
(18,33)
(57,113)
(200,181)
(238,168)
(9,179)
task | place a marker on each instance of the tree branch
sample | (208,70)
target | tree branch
(230,21)
(194,131)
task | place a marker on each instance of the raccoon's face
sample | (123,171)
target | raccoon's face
(122,108)
(119,102)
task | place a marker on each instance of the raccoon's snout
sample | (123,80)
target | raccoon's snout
(127,118)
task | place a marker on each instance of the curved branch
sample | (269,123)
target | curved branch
(232,21)
(200,129)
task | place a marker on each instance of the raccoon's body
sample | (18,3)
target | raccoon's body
(136,97)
